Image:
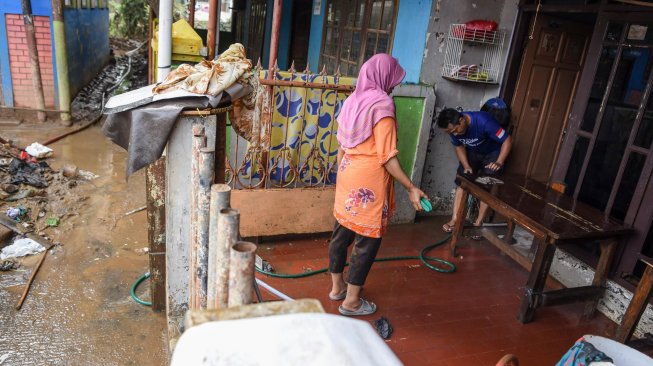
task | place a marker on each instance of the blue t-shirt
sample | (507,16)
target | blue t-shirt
(483,136)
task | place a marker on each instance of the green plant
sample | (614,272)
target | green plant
(128,18)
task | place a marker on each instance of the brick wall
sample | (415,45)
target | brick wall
(21,74)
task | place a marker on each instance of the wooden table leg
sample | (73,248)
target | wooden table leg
(608,247)
(636,307)
(510,232)
(536,279)
(460,222)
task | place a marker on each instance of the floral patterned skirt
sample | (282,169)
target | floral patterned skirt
(364,195)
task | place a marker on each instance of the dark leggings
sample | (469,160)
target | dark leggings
(362,256)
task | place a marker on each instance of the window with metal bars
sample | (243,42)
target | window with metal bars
(355,30)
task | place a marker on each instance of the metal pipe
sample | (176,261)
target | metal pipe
(61,56)
(37,84)
(164,51)
(206,171)
(228,224)
(220,199)
(220,147)
(274,41)
(241,273)
(191,13)
(199,141)
(155,193)
(217,29)
(300,84)
(214,19)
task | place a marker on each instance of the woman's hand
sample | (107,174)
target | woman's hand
(415,194)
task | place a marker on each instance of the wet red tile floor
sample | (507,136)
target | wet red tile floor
(464,318)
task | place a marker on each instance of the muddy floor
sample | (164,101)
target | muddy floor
(79,311)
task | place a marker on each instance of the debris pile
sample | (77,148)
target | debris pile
(37,198)
(129,66)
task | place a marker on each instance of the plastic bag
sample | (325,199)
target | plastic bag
(20,248)
(477,30)
(481,25)
(38,151)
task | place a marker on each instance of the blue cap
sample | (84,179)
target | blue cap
(497,103)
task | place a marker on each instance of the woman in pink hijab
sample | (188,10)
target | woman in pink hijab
(367,162)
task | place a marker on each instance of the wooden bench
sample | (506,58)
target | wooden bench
(637,305)
(554,219)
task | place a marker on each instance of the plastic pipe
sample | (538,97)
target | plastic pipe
(241,273)
(164,51)
(274,291)
(220,199)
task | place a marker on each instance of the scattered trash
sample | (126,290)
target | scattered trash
(41,214)
(69,170)
(142,251)
(488,180)
(87,175)
(38,151)
(52,221)
(8,265)
(20,195)
(10,188)
(4,357)
(20,248)
(5,162)
(28,173)
(135,210)
(26,157)
(383,327)
(16,213)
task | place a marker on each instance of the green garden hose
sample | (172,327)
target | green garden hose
(422,257)
(135,285)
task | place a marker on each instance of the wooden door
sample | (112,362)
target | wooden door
(301,30)
(607,158)
(545,90)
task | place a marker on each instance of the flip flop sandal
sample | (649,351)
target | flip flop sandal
(366,308)
(338,297)
(448,228)
(477,236)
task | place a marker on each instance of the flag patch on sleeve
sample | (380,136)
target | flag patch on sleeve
(500,133)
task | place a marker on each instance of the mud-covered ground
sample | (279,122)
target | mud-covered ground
(51,210)
(79,310)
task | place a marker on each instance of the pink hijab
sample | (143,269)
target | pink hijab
(370,102)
